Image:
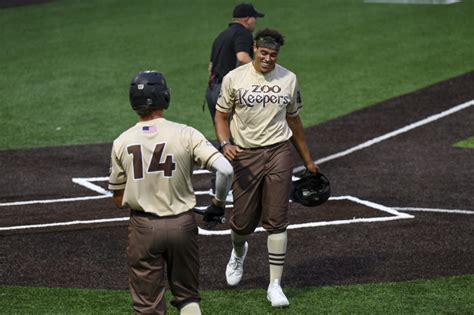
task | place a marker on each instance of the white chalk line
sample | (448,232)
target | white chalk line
(396,216)
(459,211)
(290,227)
(391,134)
(86,182)
(68,223)
(308,225)
(30,202)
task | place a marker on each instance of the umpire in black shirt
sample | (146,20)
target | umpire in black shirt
(231,48)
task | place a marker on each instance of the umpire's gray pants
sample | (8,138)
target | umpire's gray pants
(212,94)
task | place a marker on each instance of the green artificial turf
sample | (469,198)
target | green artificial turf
(452,295)
(466,143)
(66,65)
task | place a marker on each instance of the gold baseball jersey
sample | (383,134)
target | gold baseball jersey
(153,161)
(258,104)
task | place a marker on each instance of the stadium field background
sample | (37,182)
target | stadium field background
(66,66)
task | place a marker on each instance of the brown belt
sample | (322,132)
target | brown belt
(265,147)
(141,213)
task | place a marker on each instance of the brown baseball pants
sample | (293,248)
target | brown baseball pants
(160,248)
(261,188)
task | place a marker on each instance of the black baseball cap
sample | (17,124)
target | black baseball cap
(244,10)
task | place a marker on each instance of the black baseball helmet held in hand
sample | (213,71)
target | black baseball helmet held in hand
(311,190)
(149,89)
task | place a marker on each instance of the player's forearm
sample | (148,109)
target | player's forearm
(117,198)
(302,149)
(221,121)
(223,135)
(224,175)
(299,142)
(243,58)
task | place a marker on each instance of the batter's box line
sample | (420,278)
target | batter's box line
(391,134)
(87,182)
(435,210)
(395,215)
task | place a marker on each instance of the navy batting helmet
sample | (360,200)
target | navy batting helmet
(311,190)
(149,89)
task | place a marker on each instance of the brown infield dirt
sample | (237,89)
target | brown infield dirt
(419,168)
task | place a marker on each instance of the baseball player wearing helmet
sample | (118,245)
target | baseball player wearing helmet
(257,116)
(151,168)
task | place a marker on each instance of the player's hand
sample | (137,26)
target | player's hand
(213,215)
(212,212)
(311,168)
(230,151)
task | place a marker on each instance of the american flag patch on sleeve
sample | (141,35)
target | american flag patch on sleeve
(149,129)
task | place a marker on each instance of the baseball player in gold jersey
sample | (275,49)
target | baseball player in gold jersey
(257,117)
(151,168)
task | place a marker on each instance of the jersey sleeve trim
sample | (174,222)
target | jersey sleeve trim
(116,186)
(295,113)
(222,109)
(211,159)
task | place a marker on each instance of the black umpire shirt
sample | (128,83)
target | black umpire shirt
(234,39)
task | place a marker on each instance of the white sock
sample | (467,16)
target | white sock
(190,309)
(276,244)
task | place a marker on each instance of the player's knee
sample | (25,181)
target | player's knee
(276,231)
(275,228)
(242,229)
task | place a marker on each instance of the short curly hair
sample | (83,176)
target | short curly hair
(267,32)
(145,110)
